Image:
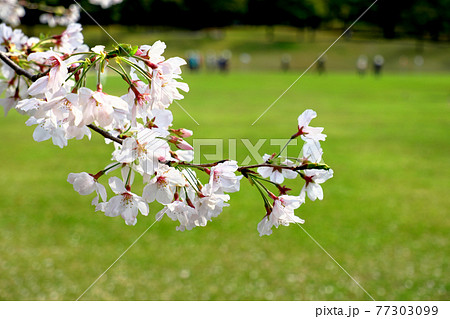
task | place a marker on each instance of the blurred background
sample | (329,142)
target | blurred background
(270,35)
(382,92)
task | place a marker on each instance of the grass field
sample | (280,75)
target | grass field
(384,217)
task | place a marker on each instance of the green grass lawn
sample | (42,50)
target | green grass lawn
(384,217)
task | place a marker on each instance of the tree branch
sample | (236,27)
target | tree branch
(292,168)
(18,70)
(274,166)
(104,133)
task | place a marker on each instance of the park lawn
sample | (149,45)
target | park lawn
(384,217)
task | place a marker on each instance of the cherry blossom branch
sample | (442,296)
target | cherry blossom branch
(61,109)
(248,167)
(292,168)
(104,133)
(18,70)
(33,77)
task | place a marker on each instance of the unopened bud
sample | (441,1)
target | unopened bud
(182,132)
(180,143)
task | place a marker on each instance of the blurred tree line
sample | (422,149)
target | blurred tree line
(419,18)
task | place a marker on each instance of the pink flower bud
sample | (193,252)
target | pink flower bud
(183,145)
(185,133)
(180,143)
(182,132)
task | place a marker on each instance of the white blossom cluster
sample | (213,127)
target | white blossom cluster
(105,3)
(69,15)
(62,108)
(58,101)
(12,10)
(281,212)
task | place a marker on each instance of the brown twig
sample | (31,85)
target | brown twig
(17,69)
(249,167)
(104,133)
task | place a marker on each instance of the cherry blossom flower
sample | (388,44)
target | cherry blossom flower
(222,177)
(57,117)
(147,148)
(164,88)
(306,131)
(277,175)
(70,39)
(282,213)
(48,128)
(126,204)
(179,210)
(312,151)
(100,107)
(139,100)
(159,121)
(164,73)
(86,184)
(55,78)
(163,186)
(210,204)
(265,227)
(184,155)
(152,52)
(14,92)
(313,178)
(64,106)
(105,3)
(11,39)
(11,12)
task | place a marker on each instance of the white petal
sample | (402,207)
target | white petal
(305,118)
(277,177)
(143,207)
(40,134)
(116,185)
(315,191)
(265,171)
(164,195)
(289,173)
(149,193)
(39,86)
(101,190)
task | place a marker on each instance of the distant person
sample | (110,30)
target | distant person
(378,62)
(321,64)
(361,65)
(419,61)
(245,59)
(285,62)
(211,61)
(194,61)
(224,61)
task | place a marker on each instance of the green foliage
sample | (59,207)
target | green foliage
(413,17)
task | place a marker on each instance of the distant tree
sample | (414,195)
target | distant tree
(298,13)
(419,18)
(427,17)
